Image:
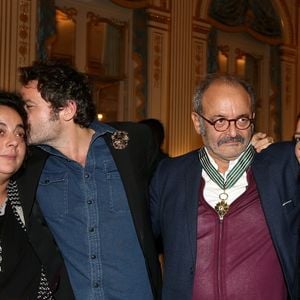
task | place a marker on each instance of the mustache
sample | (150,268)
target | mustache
(230,139)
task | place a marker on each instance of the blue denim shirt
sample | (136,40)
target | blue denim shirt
(87,210)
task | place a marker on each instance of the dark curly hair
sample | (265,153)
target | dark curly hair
(14,102)
(58,83)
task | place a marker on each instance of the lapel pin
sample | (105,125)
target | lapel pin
(120,139)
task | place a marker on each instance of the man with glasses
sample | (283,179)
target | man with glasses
(228,217)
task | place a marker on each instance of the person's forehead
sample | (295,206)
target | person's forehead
(7,113)
(219,85)
(219,92)
(31,84)
(30,93)
(29,88)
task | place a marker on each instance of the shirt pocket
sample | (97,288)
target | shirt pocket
(117,198)
(53,194)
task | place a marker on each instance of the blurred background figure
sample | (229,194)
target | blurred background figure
(158,131)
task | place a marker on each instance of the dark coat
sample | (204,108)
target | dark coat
(136,164)
(174,204)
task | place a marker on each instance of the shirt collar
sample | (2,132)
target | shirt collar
(99,128)
(232,163)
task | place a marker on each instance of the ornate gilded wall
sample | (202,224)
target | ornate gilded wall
(177,45)
(179,56)
(18,37)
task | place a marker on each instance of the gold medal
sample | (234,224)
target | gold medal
(222,206)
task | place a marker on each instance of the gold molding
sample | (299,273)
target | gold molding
(139,81)
(131,3)
(243,28)
(92,17)
(158,18)
(157,59)
(201,29)
(23,31)
(70,12)
(198,62)
(288,53)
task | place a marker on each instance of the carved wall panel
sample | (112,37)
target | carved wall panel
(17,47)
(138,84)
(289,89)
(199,63)
(181,78)
(158,66)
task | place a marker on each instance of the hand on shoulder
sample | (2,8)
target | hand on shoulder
(261,141)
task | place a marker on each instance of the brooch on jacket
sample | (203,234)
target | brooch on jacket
(120,139)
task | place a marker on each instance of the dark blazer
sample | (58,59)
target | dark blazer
(174,196)
(136,164)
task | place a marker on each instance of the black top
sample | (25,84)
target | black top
(20,267)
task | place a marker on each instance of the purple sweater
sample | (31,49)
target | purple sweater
(236,258)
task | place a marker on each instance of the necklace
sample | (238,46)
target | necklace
(222,207)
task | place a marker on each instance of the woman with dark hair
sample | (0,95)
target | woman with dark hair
(28,270)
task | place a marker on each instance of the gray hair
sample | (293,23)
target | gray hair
(222,78)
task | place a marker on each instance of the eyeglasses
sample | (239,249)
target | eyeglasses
(222,124)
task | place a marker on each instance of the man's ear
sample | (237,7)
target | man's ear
(69,111)
(196,122)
